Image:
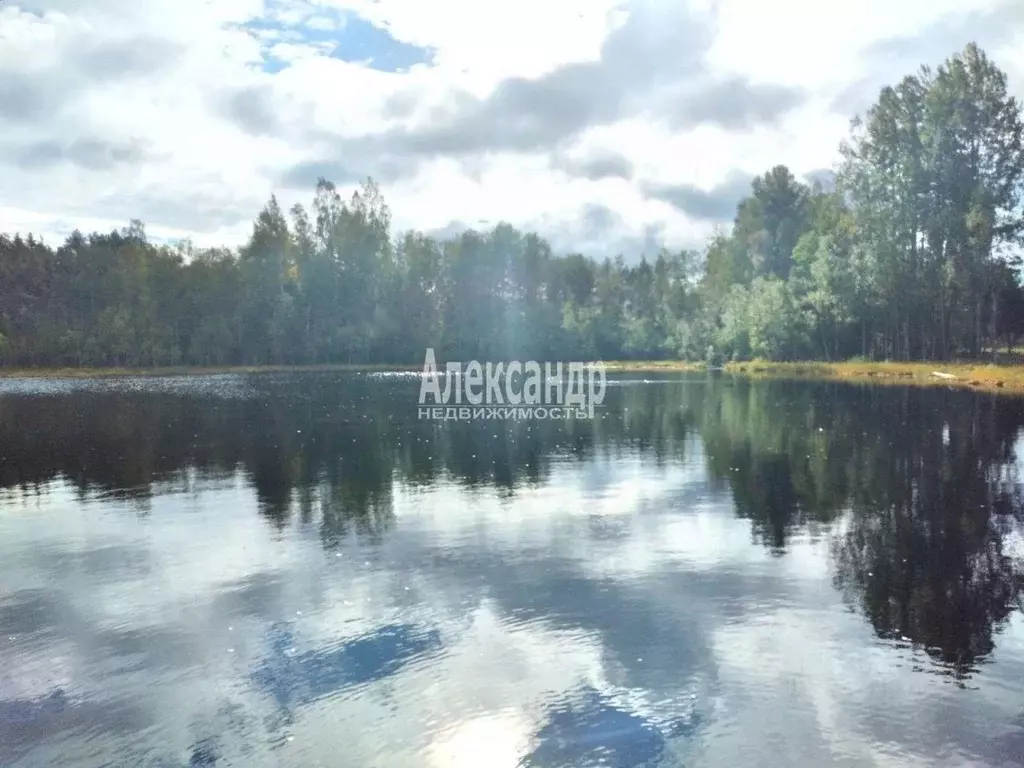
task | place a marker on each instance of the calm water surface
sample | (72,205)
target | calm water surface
(291,570)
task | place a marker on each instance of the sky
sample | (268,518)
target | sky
(607,126)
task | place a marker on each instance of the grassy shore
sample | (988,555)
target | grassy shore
(979,376)
(652,366)
(185,370)
(1008,379)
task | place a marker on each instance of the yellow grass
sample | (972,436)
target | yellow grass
(979,376)
(652,365)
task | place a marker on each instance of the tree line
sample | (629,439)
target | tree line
(911,254)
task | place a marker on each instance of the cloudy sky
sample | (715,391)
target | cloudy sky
(606,125)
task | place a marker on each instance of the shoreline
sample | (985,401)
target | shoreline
(985,377)
(650,366)
(979,377)
(185,370)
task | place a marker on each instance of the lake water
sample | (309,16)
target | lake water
(292,570)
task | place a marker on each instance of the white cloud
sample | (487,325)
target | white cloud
(807,43)
(496,40)
(185,129)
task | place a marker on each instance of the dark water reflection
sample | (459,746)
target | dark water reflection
(292,570)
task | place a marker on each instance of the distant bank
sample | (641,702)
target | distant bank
(72,372)
(1004,379)
(1007,379)
(182,370)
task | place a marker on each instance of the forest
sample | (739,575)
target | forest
(912,254)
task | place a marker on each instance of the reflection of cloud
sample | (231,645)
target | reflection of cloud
(816,683)
(612,488)
(496,741)
(789,663)
(621,572)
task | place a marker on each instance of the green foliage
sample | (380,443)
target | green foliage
(762,321)
(334,287)
(906,259)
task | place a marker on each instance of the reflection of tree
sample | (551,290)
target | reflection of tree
(923,483)
(784,451)
(319,447)
(924,551)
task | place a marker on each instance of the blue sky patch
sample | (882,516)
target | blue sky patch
(362,41)
(343,36)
